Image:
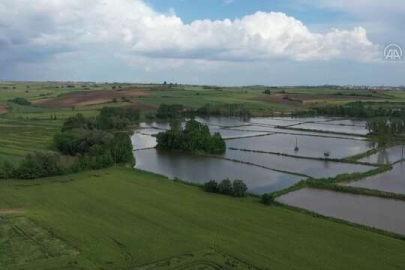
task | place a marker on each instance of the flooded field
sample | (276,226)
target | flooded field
(256,134)
(387,156)
(294,132)
(200,169)
(358,130)
(385,214)
(391,181)
(313,168)
(309,146)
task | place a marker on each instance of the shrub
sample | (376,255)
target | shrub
(267,92)
(267,199)
(77,121)
(225,187)
(211,186)
(6,170)
(239,188)
(20,101)
(169,111)
(39,165)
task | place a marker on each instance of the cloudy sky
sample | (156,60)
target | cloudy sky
(226,42)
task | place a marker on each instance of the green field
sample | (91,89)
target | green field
(122,219)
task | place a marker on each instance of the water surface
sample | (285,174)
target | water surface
(334,128)
(309,146)
(313,168)
(385,214)
(391,181)
(387,156)
(200,169)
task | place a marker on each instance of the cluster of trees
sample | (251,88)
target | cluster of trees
(358,110)
(238,110)
(34,165)
(236,188)
(20,101)
(195,137)
(93,141)
(267,92)
(170,111)
(392,126)
(108,119)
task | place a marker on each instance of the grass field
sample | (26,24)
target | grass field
(122,219)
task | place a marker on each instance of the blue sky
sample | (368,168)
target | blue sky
(239,42)
(190,10)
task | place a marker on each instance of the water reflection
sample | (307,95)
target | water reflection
(385,214)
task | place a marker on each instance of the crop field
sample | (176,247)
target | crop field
(124,219)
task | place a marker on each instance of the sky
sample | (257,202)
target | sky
(213,42)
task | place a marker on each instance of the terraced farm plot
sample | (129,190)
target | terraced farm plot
(20,137)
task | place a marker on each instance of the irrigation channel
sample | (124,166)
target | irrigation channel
(327,166)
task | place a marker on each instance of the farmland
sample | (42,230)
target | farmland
(123,218)
(120,218)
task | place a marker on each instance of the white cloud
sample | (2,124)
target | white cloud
(132,27)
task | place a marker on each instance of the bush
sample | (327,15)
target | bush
(6,170)
(239,188)
(267,92)
(77,121)
(211,186)
(169,111)
(39,165)
(20,101)
(225,187)
(267,199)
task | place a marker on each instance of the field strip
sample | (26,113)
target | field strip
(11,211)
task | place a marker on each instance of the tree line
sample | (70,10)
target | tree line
(356,110)
(236,188)
(94,144)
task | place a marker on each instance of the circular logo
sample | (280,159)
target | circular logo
(393,52)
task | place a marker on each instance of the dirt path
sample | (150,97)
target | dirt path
(12,211)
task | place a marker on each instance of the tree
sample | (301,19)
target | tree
(239,188)
(267,199)
(211,186)
(38,165)
(20,101)
(225,187)
(267,92)
(77,121)
(6,170)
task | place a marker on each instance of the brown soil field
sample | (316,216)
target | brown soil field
(3,109)
(83,98)
(304,99)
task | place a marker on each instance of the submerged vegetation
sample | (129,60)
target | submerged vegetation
(194,138)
